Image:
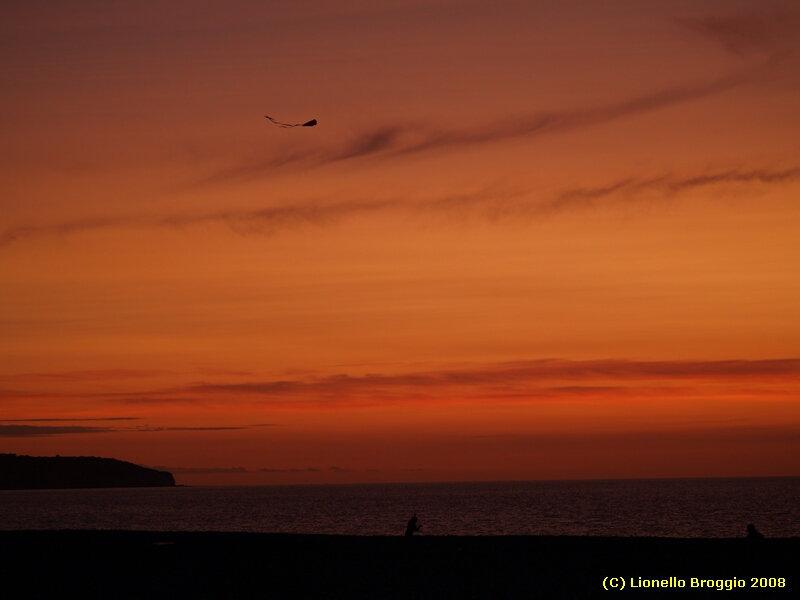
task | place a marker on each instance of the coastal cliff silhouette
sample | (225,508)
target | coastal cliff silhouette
(68,472)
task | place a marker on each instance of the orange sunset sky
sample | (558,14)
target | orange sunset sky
(526,240)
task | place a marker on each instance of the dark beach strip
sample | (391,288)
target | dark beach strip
(146,564)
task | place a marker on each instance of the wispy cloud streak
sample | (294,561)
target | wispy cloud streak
(201,470)
(83,376)
(407,139)
(764,30)
(543,379)
(75,420)
(41,430)
(28,430)
(491,204)
(667,186)
(228,470)
(565,121)
(538,381)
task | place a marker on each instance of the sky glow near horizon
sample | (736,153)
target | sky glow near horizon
(526,240)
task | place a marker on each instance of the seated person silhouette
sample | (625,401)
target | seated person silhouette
(752,534)
(412,526)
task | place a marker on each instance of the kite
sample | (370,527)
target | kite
(310,123)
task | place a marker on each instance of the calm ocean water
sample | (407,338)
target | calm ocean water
(664,508)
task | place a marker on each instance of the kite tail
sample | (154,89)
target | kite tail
(279,124)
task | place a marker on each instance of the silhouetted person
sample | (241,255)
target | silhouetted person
(412,526)
(752,534)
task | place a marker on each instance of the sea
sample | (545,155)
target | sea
(681,508)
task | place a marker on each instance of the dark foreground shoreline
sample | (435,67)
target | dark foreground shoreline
(145,564)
